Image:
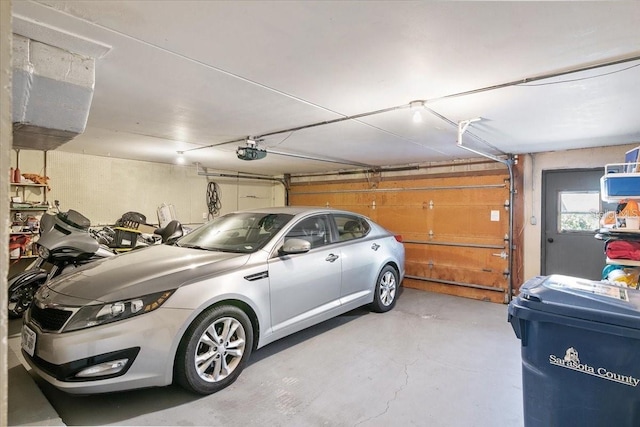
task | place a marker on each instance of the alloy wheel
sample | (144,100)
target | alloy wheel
(219,350)
(387,288)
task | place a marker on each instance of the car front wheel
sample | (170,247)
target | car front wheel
(386,290)
(214,350)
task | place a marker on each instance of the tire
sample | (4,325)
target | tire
(214,350)
(20,297)
(386,291)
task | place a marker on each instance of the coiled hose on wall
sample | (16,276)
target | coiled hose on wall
(214,204)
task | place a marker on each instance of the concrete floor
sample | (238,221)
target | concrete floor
(434,360)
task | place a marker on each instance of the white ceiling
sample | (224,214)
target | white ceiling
(186,74)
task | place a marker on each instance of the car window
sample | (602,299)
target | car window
(314,230)
(351,227)
(237,232)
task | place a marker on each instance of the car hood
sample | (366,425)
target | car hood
(141,272)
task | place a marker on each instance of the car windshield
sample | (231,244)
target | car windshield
(242,232)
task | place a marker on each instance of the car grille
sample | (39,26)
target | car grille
(49,319)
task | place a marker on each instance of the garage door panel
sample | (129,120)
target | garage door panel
(454,240)
(479,197)
(404,220)
(444,288)
(447,181)
(475,259)
(469,220)
(458,239)
(455,273)
(445,225)
(434,199)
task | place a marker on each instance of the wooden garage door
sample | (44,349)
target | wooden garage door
(454,227)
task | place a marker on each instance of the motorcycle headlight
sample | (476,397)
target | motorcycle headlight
(100,314)
(43,252)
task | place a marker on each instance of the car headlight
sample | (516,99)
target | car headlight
(94,315)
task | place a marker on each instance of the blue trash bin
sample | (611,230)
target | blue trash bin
(580,352)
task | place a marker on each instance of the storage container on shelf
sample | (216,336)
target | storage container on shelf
(620,181)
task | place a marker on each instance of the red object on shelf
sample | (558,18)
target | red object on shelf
(623,249)
(17,177)
(19,242)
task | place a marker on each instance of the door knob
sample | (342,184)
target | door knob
(550,239)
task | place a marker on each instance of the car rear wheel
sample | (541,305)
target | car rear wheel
(214,350)
(386,290)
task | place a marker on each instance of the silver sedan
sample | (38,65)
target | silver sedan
(192,312)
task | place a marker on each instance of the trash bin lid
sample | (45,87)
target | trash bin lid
(582,299)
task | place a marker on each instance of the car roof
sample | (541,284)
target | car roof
(299,210)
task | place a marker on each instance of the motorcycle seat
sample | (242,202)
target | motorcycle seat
(170,232)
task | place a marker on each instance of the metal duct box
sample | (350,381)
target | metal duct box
(52,94)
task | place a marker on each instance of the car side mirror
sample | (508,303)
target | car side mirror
(295,246)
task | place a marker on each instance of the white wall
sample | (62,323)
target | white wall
(534,165)
(103,188)
(6,139)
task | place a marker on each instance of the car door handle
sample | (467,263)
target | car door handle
(331,258)
(375,246)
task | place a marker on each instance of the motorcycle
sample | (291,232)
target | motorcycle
(66,243)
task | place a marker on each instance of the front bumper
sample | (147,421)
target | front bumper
(148,342)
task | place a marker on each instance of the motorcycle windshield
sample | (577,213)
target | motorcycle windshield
(74,219)
(61,235)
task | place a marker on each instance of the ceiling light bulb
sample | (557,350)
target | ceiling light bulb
(180,158)
(416,107)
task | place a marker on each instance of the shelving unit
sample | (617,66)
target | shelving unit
(627,262)
(20,225)
(36,211)
(621,181)
(23,186)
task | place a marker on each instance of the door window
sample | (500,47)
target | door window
(351,227)
(578,211)
(314,230)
